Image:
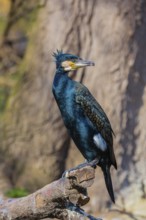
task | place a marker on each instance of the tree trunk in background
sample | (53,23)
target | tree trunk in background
(35,144)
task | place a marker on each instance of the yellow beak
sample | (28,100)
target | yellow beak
(69,65)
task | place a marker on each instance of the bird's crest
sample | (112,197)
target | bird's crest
(57,54)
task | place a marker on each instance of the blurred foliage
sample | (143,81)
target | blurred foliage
(14,68)
(4,10)
(4,7)
(4,93)
(16,193)
(2,26)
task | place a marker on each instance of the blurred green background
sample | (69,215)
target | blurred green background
(35,147)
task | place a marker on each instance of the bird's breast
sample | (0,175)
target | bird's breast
(79,126)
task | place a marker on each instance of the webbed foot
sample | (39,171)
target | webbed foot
(65,174)
(92,163)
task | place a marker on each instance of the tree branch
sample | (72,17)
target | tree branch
(60,199)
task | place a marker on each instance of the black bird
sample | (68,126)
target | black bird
(84,118)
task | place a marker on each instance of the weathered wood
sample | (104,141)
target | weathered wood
(56,200)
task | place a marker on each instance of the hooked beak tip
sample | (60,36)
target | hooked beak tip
(91,64)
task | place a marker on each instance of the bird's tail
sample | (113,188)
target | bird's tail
(108,181)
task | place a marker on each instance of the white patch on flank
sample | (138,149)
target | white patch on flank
(100,142)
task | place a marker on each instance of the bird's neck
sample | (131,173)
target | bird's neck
(60,82)
(60,77)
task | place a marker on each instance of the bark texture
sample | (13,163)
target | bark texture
(112,34)
(57,199)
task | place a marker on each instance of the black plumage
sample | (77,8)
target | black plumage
(84,118)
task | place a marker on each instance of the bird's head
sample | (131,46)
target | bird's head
(69,62)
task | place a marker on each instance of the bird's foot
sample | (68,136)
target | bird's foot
(65,174)
(92,163)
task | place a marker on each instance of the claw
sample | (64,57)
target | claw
(94,163)
(66,174)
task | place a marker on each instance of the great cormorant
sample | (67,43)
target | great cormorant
(84,118)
